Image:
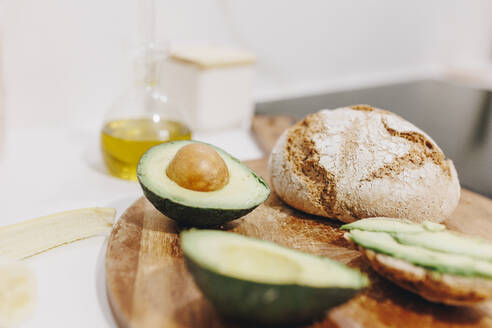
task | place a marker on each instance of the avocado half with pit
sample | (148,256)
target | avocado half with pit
(242,193)
(261,282)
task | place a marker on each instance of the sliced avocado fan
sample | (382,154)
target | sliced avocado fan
(425,245)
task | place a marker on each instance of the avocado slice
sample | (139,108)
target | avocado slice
(259,281)
(428,235)
(385,243)
(383,224)
(448,242)
(243,192)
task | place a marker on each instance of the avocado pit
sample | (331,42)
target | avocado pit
(198,167)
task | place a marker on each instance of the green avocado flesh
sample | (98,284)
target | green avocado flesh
(392,225)
(448,242)
(441,251)
(243,193)
(262,282)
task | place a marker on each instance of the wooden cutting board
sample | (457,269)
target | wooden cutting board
(148,284)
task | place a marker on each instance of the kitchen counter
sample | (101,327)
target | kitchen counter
(47,170)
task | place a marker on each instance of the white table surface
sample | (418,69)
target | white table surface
(49,170)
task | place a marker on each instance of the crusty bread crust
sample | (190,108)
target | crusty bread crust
(357,162)
(431,285)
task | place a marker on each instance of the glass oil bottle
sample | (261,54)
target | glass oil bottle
(143,117)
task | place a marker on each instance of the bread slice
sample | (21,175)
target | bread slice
(431,285)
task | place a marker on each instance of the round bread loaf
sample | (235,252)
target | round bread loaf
(358,162)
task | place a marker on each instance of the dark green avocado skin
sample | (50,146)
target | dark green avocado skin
(193,216)
(266,304)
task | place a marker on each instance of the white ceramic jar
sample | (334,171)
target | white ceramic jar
(213,84)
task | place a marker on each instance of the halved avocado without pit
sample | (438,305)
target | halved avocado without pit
(261,282)
(243,192)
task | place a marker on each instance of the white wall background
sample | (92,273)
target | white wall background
(65,61)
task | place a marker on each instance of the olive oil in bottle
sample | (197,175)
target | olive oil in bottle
(142,117)
(124,141)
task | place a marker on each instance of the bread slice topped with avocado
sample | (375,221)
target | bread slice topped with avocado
(440,265)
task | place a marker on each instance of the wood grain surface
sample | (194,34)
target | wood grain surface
(148,284)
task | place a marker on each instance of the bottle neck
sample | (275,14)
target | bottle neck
(147,74)
(148,67)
